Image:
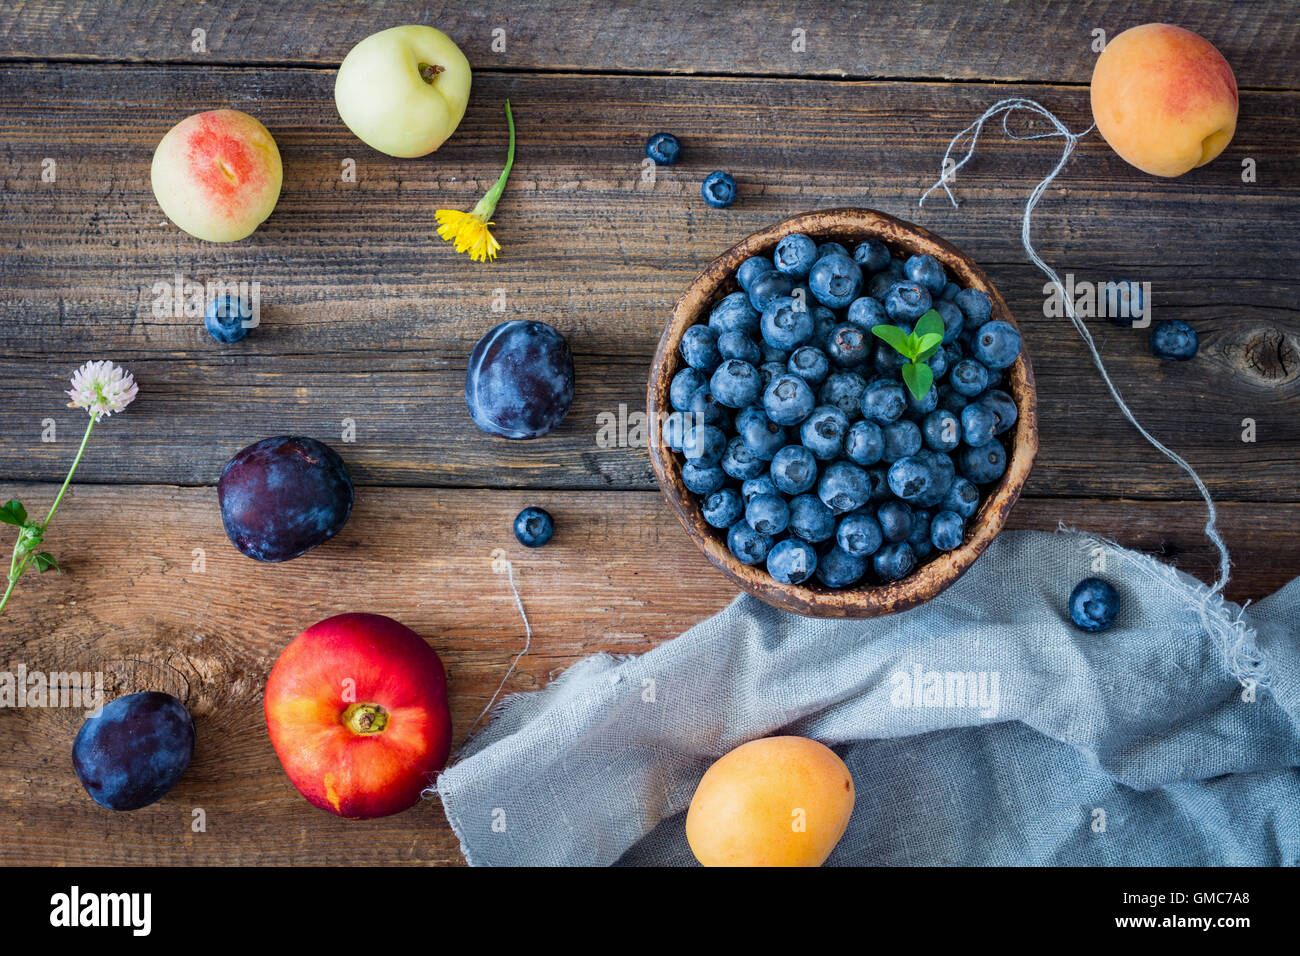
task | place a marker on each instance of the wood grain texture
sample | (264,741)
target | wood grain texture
(131,605)
(365,317)
(1024,40)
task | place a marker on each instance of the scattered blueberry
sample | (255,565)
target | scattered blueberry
(227,318)
(1123,302)
(663,148)
(1174,340)
(535,526)
(1094,604)
(718,190)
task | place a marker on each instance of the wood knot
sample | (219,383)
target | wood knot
(1265,356)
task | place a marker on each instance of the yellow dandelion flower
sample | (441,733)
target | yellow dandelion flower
(469,230)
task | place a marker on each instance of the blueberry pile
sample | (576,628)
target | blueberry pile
(800,433)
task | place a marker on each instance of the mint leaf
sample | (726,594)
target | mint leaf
(929,324)
(44,561)
(13,512)
(895,336)
(926,353)
(931,341)
(919,378)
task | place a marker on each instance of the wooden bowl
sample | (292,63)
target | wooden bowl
(847,226)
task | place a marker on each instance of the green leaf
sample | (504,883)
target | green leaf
(929,324)
(919,378)
(13,512)
(895,336)
(931,341)
(925,354)
(44,561)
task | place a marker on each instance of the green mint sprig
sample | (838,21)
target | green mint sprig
(917,346)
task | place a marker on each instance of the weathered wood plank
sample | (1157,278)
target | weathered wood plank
(1019,41)
(131,604)
(365,317)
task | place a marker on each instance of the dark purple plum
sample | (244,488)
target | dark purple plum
(134,751)
(520,380)
(283,496)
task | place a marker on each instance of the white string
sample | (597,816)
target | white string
(1007,108)
(528,642)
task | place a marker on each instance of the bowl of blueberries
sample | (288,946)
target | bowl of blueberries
(843,413)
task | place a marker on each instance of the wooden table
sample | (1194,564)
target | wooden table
(366,318)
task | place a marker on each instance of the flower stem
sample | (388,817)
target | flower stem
(18,568)
(488,204)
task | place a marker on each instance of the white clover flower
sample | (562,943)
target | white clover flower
(102,388)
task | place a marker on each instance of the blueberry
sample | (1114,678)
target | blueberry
(888,362)
(996,344)
(1123,301)
(947,529)
(768,514)
(751,269)
(761,435)
(762,485)
(699,348)
(684,385)
(896,268)
(865,443)
(872,255)
(738,345)
(938,363)
(920,407)
(810,519)
(703,443)
(1094,605)
(848,346)
(723,508)
(769,286)
(894,561)
(1174,340)
(734,313)
(952,400)
(786,324)
(718,190)
(663,148)
(942,472)
(983,464)
(880,284)
(134,750)
(907,302)
(844,391)
(674,430)
(739,462)
(843,487)
(968,377)
(838,569)
(975,306)
(701,478)
(788,400)
(866,313)
(977,424)
(884,401)
(791,561)
(769,371)
(810,364)
(949,293)
(794,470)
(535,526)
(736,384)
(962,497)
(941,430)
(859,534)
(895,520)
(925,270)
(953,320)
(228,318)
(705,408)
(749,546)
(835,280)
(1002,405)
(919,539)
(826,248)
(824,323)
(879,484)
(795,255)
(917,477)
(773,354)
(902,438)
(822,432)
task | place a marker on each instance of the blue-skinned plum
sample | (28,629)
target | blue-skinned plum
(520,380)
(283,496)
(134,751)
